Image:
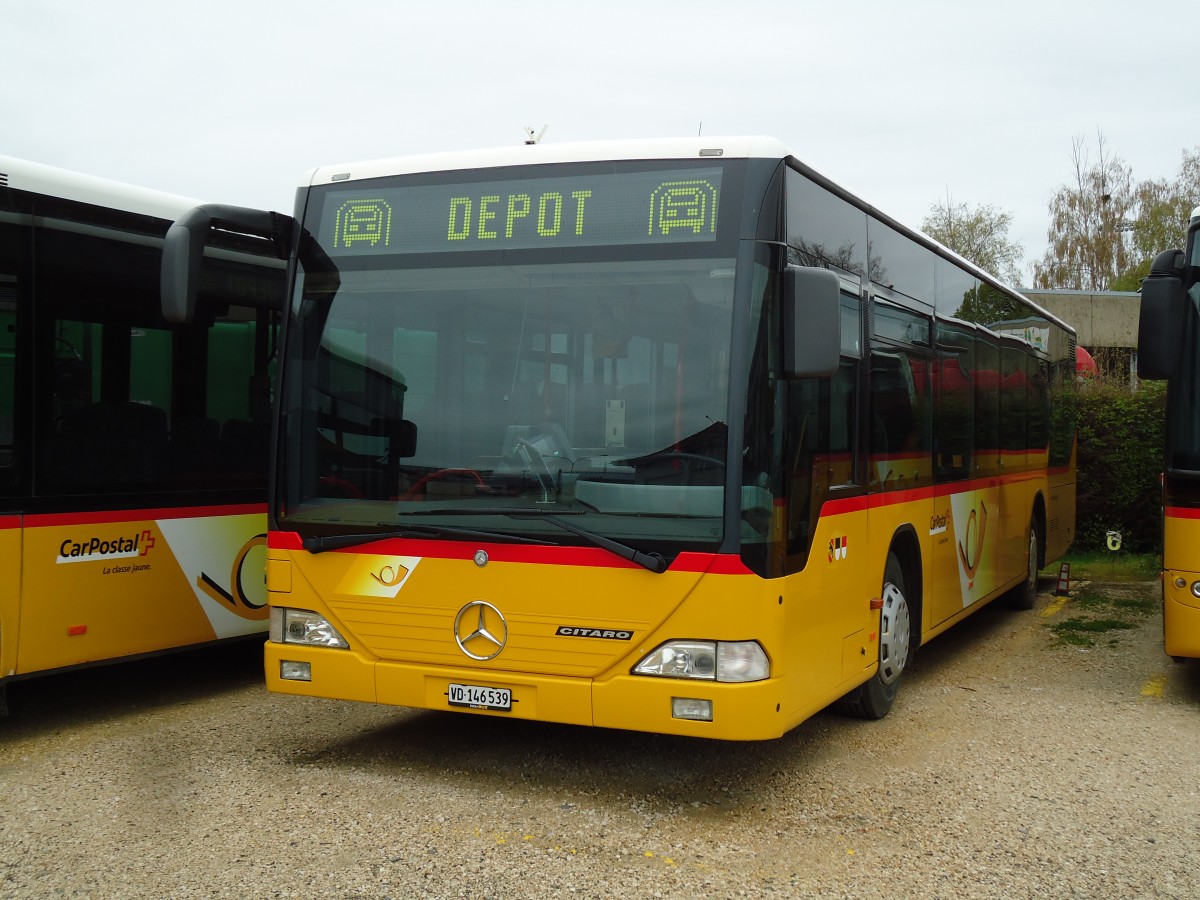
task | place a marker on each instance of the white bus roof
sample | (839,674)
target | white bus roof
(524,154)
(36,178)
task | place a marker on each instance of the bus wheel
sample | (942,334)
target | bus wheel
(875,698)
(1025,595)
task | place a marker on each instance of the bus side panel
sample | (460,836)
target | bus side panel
(1181,609)
(105,586)
(1016,504)
(832,635)
(10,593)
(965,530)
(1060,514)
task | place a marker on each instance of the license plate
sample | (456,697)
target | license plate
(476,696)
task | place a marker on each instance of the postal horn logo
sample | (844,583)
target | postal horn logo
(390,575)
(244,596)
(970,548)
(375,575)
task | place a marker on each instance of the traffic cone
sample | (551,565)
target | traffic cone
(1064,580)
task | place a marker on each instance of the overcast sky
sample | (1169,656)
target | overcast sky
(903,103)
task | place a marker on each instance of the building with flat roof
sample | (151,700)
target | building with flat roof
(1105,323)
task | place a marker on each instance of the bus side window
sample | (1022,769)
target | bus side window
(986,378)
(110,426)
(953,392)
(843,418)
(8,359)
(820,452)
(900,424)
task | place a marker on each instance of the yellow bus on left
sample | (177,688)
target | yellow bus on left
(133,452)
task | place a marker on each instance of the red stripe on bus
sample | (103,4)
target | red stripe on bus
(714,564)
(589,557)
(1181,512)
(102,517)
(283,540)
(880,499)
(10,522)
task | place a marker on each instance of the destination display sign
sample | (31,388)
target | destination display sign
(659,207)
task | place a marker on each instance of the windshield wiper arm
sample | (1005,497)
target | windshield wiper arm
(515,512)
(652,561)
(321,543)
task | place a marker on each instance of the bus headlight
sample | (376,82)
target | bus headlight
(728,661)
(299,626)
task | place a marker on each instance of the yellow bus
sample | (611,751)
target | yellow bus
(675,436)
(133,454)
(1168,332)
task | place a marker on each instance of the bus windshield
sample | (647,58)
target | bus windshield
(1183,432)
(507,393)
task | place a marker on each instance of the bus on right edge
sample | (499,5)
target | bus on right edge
(1169,348)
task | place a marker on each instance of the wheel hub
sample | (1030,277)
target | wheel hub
(895,631)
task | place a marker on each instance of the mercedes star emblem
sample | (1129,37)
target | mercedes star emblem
(481,626)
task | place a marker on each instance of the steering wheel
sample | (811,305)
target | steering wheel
(541,471)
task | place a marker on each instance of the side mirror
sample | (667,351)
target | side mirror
(1161,318)
(183,250)
(812,322)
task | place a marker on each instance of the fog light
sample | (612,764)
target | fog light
(290,670)
(1196,589)
(691,708)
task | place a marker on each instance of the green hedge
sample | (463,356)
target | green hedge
(1119,464)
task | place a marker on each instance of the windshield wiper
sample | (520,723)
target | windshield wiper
(510,511)
(652,561)
(321,543)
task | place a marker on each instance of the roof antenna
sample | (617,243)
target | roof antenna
(700,129)
(532,137)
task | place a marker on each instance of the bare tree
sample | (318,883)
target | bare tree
(1089,235)
(979,234)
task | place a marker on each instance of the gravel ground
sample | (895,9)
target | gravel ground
(1012,766)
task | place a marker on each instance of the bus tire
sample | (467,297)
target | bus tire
(1025,594)
(874,699)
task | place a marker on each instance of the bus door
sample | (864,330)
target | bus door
(953,525)
(900,423)
(975,504)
